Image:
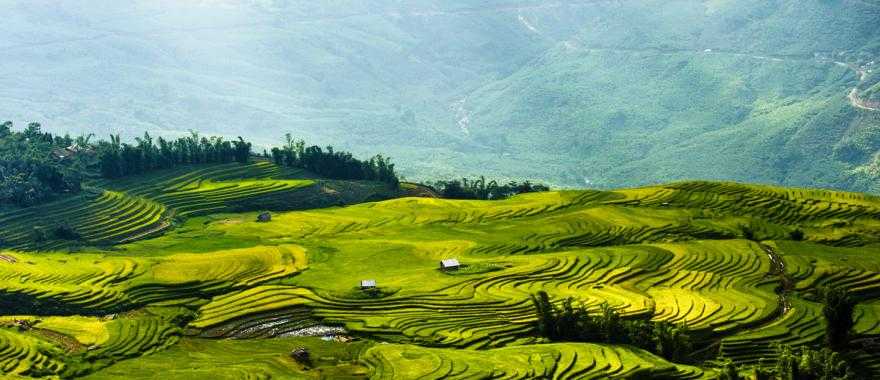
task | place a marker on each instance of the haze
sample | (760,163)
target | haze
(572,93)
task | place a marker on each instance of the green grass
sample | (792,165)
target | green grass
(673,253)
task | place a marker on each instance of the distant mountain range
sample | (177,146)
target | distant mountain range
(574,93)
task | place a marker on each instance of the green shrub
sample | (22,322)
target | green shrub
(65,232)
(729,371)
(38,234)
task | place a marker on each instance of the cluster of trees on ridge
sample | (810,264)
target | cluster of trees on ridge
(566,322)
(334,164)
(479,188)
(37,167)
(118,159)
(29,172)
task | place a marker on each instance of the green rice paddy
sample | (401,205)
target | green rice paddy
(221,295)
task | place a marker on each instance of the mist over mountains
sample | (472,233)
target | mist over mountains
(574,93)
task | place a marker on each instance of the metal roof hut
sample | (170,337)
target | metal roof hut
(449,264)
(368,284)
(264,217)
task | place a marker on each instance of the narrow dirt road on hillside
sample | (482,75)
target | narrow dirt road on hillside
(853,95)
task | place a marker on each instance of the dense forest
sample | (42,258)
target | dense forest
(36,166)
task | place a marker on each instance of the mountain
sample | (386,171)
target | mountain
(574,93)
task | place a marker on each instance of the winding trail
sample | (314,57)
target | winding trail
(859,103)
(777,269)
(853,95)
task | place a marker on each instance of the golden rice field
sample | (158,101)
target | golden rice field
(130,209)
(222,296)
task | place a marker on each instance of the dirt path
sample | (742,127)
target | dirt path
(853,95)
(777,268)
(859,103)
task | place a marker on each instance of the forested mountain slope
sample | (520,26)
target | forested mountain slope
(600,93)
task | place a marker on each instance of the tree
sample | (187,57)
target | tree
(32,131)
(277,156)
(290,151)
(672,341)
(5,129)
(242,150)
(837,308)
(65,232)
(610,325)
(30,170)
(729,371)
(546,324)
(748,233)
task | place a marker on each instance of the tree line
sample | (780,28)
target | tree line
(334,164)
(479,188)
(30,172)
(118,159)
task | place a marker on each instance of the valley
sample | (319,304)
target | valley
(618,93)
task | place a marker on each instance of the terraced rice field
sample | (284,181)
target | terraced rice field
(118,211)
(224,290)
(546,361)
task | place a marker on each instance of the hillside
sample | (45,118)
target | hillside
(115,211)
(574,93)
(739,265)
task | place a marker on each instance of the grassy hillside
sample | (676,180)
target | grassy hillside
(117,211)
(574,93)
(223,291)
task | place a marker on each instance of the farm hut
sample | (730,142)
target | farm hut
(368,284)
(449,264)
(302,356)
(264,217)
